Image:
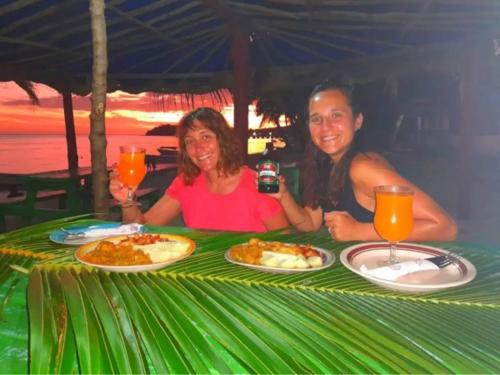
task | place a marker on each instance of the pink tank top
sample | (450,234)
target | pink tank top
(242,210)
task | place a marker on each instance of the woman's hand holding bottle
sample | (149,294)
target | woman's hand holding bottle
(282,189)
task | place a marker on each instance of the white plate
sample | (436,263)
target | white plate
(327,256)
(371,253)
(143,267)
(60,236)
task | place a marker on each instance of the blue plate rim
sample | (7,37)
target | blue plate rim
(55,235)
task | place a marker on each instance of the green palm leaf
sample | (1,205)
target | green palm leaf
(205,315)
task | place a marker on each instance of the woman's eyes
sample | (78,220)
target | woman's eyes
(204,138)
(318,120)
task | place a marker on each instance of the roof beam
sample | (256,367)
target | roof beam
(214,49)
(37,44)
(333,34)
(232,21)
(318,41)
(206,38)
(124,15)
(421,13)
(352,3)
(403,18)
(15,5)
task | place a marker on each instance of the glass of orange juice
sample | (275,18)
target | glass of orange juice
(393,216)
(132,168)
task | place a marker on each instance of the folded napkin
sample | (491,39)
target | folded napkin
(395,271)
(114,231)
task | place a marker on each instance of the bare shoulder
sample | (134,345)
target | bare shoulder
(366,163)
(371,169)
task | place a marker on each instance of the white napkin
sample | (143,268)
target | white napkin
(395,271)
(116,231)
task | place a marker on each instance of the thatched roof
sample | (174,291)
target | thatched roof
(185,45)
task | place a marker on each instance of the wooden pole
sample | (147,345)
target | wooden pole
(98,109)
(72,150)
(241,96)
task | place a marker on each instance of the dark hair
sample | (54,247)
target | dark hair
(317,163)
(230,160)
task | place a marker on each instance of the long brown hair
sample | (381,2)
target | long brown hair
(317,163)
(230,160)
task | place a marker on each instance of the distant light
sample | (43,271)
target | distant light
(496,47)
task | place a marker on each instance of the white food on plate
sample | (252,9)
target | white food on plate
(301,262)
(280,260)
(268,259)
(315,261)
(162,251)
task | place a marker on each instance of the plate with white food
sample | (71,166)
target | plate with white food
(279,257)
(135,253)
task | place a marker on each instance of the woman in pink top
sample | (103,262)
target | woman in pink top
(213,190)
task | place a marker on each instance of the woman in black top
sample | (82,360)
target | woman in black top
(339,179)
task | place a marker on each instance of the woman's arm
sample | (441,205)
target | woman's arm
(161,213)
(304,219)
(278,221)
(431,222)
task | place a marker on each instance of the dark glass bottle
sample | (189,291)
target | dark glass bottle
(268,170)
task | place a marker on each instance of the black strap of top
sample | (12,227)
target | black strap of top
(347,201)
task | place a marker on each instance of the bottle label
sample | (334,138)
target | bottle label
(268,172)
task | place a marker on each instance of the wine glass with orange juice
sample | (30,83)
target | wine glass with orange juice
(132,168)
(393,216)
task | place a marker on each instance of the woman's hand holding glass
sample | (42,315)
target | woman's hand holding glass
(131,170)
(393,219)
(118,190)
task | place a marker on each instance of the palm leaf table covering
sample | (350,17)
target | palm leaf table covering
(206,315)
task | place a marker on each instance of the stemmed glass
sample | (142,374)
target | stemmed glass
(132,169)
(393,216)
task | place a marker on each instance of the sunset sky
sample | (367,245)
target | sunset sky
(125,113)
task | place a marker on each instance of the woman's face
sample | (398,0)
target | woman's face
(331,123)
(202,147)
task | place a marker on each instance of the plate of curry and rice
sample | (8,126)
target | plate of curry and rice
(135,253)
(279,257)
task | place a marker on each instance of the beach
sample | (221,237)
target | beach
(40,153)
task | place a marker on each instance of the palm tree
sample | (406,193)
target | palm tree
(291,104)
(30,90)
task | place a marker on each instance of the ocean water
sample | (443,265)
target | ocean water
(40,153)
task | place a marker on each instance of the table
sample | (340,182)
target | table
(75,183)
(204,315)
(12,183)
(73,189)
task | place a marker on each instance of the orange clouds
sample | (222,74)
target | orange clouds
(125,113)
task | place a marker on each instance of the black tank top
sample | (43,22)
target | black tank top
(347,201)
